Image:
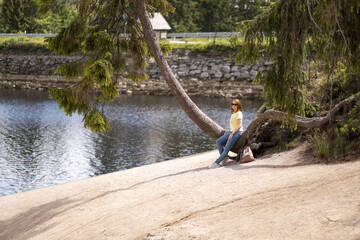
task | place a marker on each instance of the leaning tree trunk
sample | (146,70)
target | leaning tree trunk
(206,124)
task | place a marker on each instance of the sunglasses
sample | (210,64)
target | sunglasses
(234,104)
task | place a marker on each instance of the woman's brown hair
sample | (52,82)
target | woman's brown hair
(239,107)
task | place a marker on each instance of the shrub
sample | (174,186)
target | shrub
(341,139)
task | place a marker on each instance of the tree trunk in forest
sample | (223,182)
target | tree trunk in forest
(206,124)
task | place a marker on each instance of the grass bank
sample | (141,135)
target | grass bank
(193,44)
(22,43)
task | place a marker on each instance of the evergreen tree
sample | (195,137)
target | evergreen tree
(28,20)
(60,16)
(22,15)
(186,16)
(212,15)
(291,33)
(242,10)
(12,14)
(98,32)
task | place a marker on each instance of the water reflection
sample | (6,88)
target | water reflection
(41,146)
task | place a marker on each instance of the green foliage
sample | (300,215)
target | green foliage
(72,101)
(211,15)
(166,47)
(70,71)
(67,100)
(332,144)
(97,40)
(52,21)
(96,121)
(22,43)
(99,72)
(106,34)
(137,77)
(186,16)
(65,42)
(351,129)
(329,34)
(337,86)
(203,44)
(321,144)
(162,6)
(21,15)
(340,139)
(12,13)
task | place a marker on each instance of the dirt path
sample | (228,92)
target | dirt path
(278,197)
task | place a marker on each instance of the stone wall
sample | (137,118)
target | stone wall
(211,74)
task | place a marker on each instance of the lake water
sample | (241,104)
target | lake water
(41,146)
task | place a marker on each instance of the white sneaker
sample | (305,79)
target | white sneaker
(214,165)
(223,162)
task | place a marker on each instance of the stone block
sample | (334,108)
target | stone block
(237,74)
(204,75)
(244,69)
(227,75)
(152,71)
(218,74)
(226,69)
(250,79)
(234,68)
(193,66)
(181,73)
(186,70)
(253,73)
(214,68)
(255,67)
(245,75)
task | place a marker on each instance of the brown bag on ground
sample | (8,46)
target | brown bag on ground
(247,155)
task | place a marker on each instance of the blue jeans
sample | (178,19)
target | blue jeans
(223,141)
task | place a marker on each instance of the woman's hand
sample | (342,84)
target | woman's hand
(231,136)
(226,132)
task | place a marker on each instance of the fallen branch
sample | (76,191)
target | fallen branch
(247,138)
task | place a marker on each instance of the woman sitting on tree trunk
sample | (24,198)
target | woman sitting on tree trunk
(230,137)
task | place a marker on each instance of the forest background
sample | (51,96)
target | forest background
(19,16)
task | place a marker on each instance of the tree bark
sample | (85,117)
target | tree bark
(206,124)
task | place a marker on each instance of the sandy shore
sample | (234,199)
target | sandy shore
(276,197)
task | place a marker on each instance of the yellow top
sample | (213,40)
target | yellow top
(234,121)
